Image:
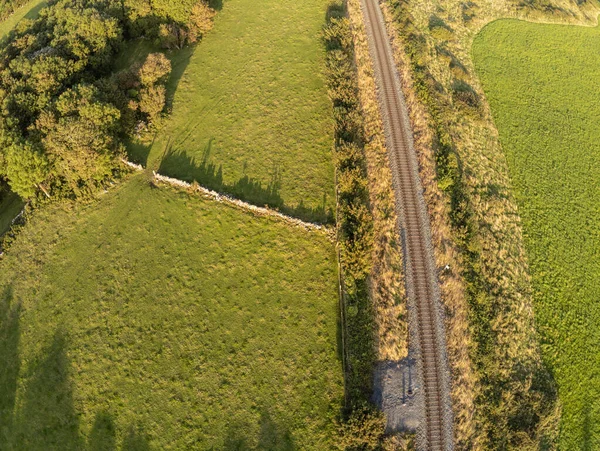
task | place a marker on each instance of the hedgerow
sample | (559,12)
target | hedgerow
(362,425)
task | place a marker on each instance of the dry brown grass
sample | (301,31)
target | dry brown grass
(386,279)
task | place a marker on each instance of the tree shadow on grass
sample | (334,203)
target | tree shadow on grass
(9,360)
(217,5)
(47,419)
(272,436)
(176,163)
(103,434)
(180,59)
(34,12)
(136,439)
(589,442)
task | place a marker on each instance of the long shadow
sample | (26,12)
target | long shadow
(217,5)
(236,438)
(587,443)
(9,360)
(176,163)
(47,419)
(103,434)
(34,12)
(271,436)
(136,439)
(180,59)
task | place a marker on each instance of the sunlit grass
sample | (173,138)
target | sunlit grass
(542,85)
(154,316)
(252,101)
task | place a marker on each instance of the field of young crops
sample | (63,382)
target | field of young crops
(543,87)
(157,318)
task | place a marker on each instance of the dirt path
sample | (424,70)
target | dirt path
(426,324)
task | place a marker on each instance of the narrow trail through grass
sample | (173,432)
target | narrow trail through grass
(157,317)
(542,85)
(252,106)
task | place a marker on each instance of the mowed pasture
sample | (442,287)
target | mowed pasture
(153,319)
(251,115)
(543,87)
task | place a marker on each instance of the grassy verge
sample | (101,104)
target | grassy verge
(540,81)
(251,116)
(29,10)
(159,319)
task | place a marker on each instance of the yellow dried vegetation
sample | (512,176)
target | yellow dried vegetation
(386,280)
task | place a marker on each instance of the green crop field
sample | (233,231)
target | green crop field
(251,108)
(152,319)
(28,10)
(543,87)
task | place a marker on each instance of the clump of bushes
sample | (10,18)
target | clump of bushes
(362,426)
(439,28)
(7,7)
(464,92)
(64,114)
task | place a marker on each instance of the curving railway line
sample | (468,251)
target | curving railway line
(426,329)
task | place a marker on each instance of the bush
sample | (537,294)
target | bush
(363,430)
(464,92)
(362,427)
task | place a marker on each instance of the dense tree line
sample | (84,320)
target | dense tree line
(64,111)
(362,425)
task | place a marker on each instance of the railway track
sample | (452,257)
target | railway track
(425,318)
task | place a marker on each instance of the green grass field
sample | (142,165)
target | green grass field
(542,85)
(29,10)
(155,320)
(252,108)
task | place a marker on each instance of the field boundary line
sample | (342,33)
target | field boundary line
(229,200)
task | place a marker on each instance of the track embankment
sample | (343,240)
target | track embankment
(426,319)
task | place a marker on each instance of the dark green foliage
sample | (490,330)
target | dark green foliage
(172,23)
(362,426)
(438,22)
(363,430)
(63,116)
(55,130)
(464,92)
